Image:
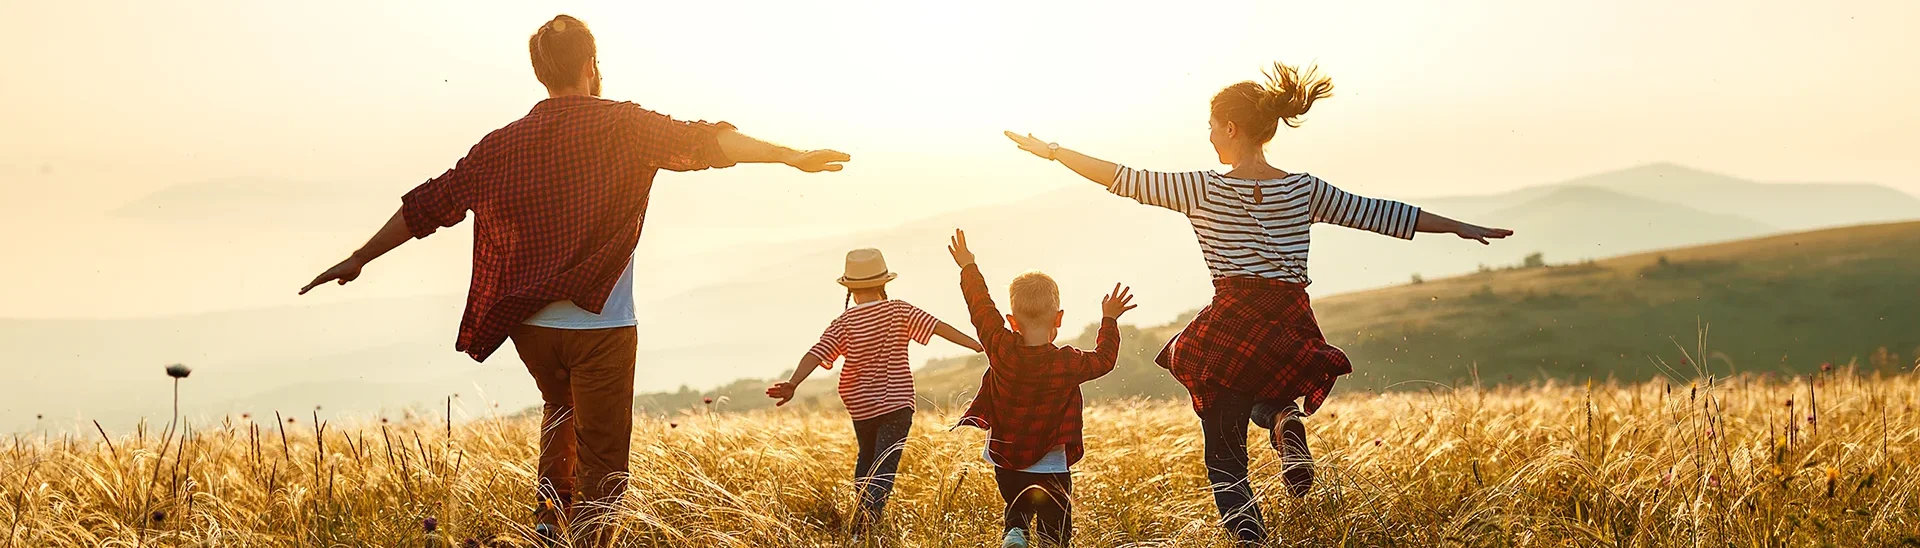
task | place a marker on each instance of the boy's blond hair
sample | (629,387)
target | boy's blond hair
(1035,297)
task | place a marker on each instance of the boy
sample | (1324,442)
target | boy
(1029,399)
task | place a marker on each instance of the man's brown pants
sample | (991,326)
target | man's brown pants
(586,384)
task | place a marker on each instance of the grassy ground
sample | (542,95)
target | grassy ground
(1744,461)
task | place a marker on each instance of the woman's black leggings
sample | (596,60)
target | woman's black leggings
(1225,428)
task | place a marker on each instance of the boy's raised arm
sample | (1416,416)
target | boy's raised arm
(986,318)
(1106,350)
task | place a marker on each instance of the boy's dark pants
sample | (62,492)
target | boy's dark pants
(1225,428)
(1053,511)
(881,439)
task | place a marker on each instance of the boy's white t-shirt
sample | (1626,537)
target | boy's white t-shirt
(618,311)
(1054,462)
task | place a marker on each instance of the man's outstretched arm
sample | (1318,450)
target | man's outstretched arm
(741,148)
(390,236)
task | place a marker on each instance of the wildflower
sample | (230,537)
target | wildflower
(159,516)
(289,420)
(1709,433)
(383,420)
(708,401)
(1789,402)
(673,425)
(179,371)
(1826,367)
(430,524)
(1714,480)
(245,416)
(37,416)
(1810,418)
(1376,442)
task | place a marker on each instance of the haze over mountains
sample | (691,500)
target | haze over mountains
(713,315)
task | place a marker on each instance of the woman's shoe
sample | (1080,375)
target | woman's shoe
(1289,437)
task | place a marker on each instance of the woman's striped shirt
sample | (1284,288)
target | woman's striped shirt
(1260,228)
(873,337)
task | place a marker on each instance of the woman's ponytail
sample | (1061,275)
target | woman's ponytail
(1259,109)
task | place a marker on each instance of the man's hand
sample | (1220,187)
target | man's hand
(815,161)
(1481,234)
(782,391)
(1118,302)
(344,272)
(958,248)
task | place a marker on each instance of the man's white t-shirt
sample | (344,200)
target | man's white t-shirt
(618,311)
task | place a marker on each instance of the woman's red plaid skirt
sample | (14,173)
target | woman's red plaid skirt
(1258,337)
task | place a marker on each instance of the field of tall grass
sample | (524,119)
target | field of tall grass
(1750,460)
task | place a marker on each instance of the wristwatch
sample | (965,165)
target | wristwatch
(1052,149)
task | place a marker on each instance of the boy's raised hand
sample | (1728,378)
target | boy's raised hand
(958,247)
(1118,302)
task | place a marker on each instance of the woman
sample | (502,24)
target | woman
(1256,349)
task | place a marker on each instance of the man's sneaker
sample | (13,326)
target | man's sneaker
(1016,538)
(1289,437)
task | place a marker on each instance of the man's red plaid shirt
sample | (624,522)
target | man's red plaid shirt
(1029,399)
(558,198)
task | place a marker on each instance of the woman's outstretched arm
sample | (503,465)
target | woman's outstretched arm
(1094,169)
(1429,222)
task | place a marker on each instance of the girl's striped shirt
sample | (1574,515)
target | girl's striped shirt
(1260,228)
(873,337)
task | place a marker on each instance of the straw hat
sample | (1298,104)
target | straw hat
(866,268)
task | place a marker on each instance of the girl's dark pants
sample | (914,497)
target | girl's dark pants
(881,439)
(1054,511)
(1225,428)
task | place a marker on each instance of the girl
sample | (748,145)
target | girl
(1256,348)
(876,384)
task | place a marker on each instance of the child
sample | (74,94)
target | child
(876,384)
(1029,399)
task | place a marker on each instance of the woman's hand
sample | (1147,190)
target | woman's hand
(1480,233)
(1031,144)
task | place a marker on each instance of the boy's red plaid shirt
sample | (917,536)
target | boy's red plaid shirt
(1029,397)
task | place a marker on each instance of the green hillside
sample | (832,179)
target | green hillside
(1785,303)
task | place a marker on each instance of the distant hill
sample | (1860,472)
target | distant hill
(1781,304)
(1789,206)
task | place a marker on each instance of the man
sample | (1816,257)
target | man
(558,199)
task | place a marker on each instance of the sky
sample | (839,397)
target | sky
(104,103)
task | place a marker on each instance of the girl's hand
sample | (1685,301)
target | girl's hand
(782,391)
(1031,144)
(1481,234)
